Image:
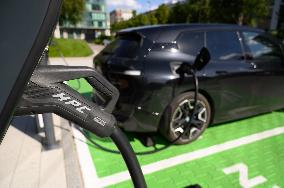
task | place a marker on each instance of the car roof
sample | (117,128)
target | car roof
(169,32)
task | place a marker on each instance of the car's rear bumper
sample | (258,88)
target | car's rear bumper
(144,113)
(136,118)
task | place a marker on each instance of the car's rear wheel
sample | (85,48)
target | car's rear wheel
(178,114)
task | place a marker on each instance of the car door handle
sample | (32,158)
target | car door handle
(222,72)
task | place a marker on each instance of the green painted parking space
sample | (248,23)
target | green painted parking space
(82,86)
(257,163)
(108,163)
(263,158)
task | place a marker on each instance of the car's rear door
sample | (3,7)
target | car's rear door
(230,71)
(122,66)
(266,56)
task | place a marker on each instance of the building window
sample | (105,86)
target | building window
(88,7)
(88,16)
(100,24)
(89,23)
(103,8)
(96,7)
(98,16)
(95,23)
(95,1)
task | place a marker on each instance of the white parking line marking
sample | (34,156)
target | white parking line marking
(88,169)
(244,180)
(183,158)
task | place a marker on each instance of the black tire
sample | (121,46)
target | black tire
(169,126)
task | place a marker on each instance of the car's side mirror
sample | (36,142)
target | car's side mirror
(201,59)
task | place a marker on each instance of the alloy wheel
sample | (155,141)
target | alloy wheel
(181,118)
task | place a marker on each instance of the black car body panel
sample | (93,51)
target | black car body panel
(236,84)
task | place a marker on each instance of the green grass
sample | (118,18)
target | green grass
(69,48)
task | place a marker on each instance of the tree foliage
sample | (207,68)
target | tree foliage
(162,14)
(71,12)
(198,11)
(140,20)
(240,12)
(178,13)
(243,12)
(153,19)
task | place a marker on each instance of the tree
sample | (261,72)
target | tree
(162,14)
(238,11)
(178,13)
(134,13)
(119,25)
(253,11)
(190,11)
(198,11)
(135,21)
(71,12)
(248,12)
(152,19)
(144,19)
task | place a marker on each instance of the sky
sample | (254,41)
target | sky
(139,5)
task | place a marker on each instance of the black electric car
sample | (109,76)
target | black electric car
(245,76)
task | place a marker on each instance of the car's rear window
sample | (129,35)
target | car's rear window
(191,42)
(125,46)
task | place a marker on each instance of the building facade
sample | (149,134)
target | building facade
(119,15)
(95,22)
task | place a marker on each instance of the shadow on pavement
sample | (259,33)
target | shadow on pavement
(27,125)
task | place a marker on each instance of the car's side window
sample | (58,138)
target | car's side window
(261,47)
(123,47)
(110,48)
(127,46)
(224,45)
(191,42)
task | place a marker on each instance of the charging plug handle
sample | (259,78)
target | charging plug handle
(47,93)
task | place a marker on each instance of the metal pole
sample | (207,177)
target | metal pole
(39,123)
(47,117)
(49,131)
(275,15)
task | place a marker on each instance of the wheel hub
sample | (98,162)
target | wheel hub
(181,118)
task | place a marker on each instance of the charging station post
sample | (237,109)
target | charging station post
(48,126)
